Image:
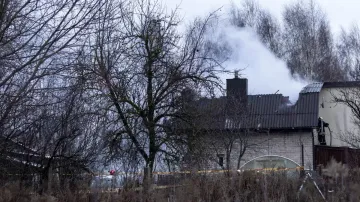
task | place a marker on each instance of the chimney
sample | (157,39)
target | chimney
(237,90)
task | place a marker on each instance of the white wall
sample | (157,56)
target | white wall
(337,115)
(282,144)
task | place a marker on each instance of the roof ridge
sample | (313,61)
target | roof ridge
(279,94)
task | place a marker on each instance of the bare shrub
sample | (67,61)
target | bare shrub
(245,186)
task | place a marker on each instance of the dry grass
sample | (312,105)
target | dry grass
(247,186)
(244,187)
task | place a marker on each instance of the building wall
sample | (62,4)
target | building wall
(285,144)
(339,117)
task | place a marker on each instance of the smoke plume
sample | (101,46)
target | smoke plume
(266,73)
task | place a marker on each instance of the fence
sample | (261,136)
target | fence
(346,155)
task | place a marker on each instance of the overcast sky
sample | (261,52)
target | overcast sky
(265,72)
(341,13)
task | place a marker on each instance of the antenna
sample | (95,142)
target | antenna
(236,74)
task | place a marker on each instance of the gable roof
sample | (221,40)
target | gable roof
(265,111)
(275,112)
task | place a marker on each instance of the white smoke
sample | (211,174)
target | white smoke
(265,72)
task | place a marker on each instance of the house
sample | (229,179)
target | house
(253,131)
(339,116)
(19,162)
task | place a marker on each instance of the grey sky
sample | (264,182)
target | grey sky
(340,12)
(266,73)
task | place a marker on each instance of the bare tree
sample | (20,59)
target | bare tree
(217,132)
(309,48)
(350,98)
(304,40)
(250,14)
(349,52)
(234,138)
(61,137)
(66,135)
(141,63)
(270,32)
(34,37)
(230,145)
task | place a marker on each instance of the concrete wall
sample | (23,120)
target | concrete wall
(285,144)
(339,117)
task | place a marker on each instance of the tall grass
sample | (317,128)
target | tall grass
(340,184)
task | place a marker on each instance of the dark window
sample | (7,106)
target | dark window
(221,160)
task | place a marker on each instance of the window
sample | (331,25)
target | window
(221,159)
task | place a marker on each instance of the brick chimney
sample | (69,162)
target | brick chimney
(237,89)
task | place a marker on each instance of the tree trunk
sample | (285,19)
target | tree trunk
(147,181)
(228,161)
(45,181)
(238,162)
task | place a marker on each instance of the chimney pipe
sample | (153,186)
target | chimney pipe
(237,91)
